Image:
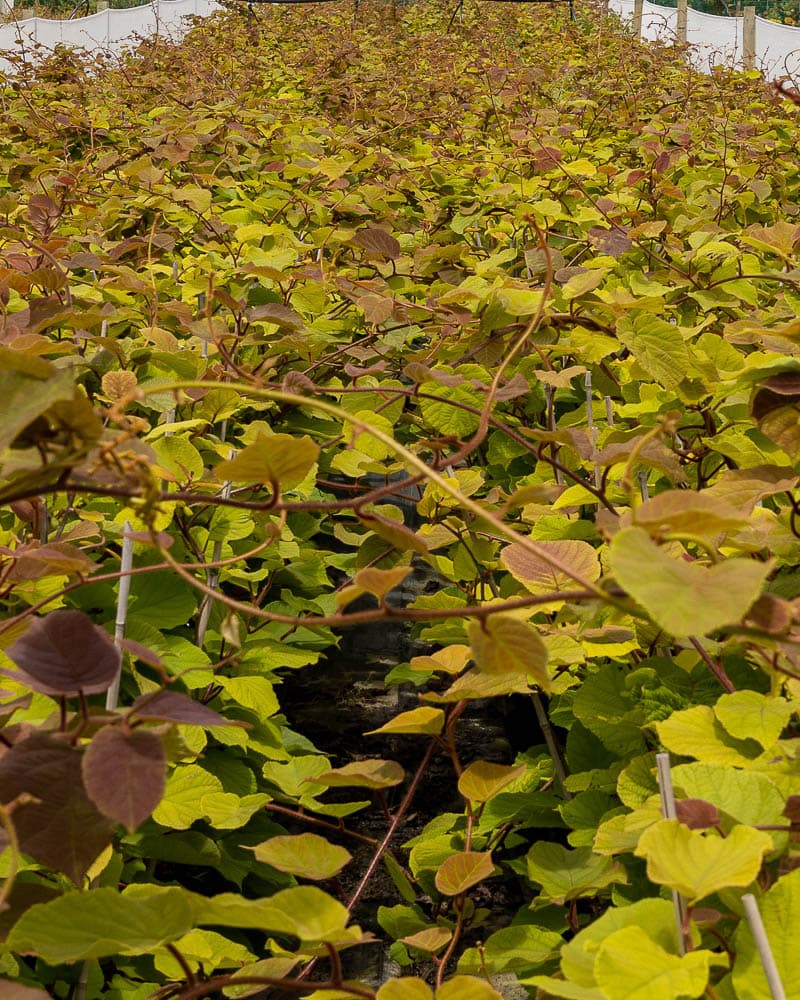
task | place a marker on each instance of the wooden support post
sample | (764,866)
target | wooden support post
(749,37)
(638,7)
(682,24)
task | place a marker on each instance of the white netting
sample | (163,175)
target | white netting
(777,49)
(659,24)
(717,41)
(107,30)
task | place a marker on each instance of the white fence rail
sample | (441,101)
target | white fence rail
(721,40)
(109,30)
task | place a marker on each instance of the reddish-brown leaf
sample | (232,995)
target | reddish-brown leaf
(172,706)
(63,653)
(125,774)
(697,814)
(378,242)
(62,828)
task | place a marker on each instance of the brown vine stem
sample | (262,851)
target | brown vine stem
(458,903)
(324,824)
(413,460)
(714,666)
(402,809)
(13,846)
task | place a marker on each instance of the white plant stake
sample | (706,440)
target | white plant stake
(668,811)
(776,990)
(642,475)
(112,695)
(587,384)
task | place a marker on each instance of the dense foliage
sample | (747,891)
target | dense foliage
(491,331)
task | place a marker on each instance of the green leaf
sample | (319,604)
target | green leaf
(684,598)
(482,780)
(255,693)
(304,911)
(273,459)
(305,855)
(101,922)
(658,347)
(502,644)
(451,420)
(424,721)
(780,912)
(751,715)
(749,797)
(631,966)
(696,732)
(431,939)
(461,871)
(363,774)
(687,511)
(697,864)
(407,988)
(27,396)
(567,874)
(578,955)
(512,948)
(182,803)
(466,988)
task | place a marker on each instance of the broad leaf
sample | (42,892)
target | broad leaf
(697,864)
(424,721)
(502,644)
(631,966)
(541,577)
(101,922)
(432,939)
(482,780)
(467,988)
(273,459)
(684,598)
(305,855)
(780,912)
(406,988)
(64,653)
(363,774)
(61,827)
(125,773)
(567,874)
(172,706)
(460,872)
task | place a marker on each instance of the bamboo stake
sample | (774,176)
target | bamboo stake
(645,492)
(112,695)
(753,914)
(550,739)
(668,811)
(212,579)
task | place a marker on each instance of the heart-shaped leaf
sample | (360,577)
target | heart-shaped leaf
(125,773)
(684,598)
(305,855)
(64,653)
